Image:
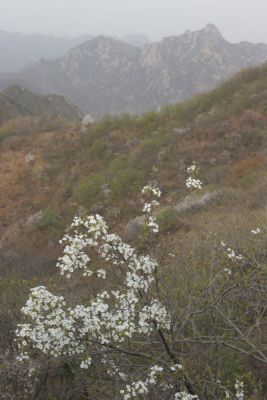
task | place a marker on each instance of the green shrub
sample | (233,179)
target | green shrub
(167,219)
(144,155)
(117,165)
(124,179)
(50,220)
(97,150)
(89,190)
(149,122)
(127,182)
(107,125)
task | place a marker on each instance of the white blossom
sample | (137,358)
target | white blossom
(192,182)
(151,221)
(233,256)
(228,271)
(153,224)
(151,190)
(176,367)
(185,396)
(138,388)
(256,231)
(191,169)
(239,387)
(85,364)
(101,273)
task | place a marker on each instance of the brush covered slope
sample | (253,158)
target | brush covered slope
(50,174)
(16,101)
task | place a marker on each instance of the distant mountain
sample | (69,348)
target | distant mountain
(136,39)
(17,101)
(18,50)
(104,75)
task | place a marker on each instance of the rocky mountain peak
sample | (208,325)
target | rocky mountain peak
(103,41)
(211,29)
(209,34)
(100,47)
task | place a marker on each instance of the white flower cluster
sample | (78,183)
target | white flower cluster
(239,391)
(176,367)
(228,271)
(151,221)
(22,356)
(192,182)
(231,254)
(101,273)
(148,207)
(141,387)
(85,364)
(256,231)
(166,386)
(151,190)
(154,313)
(185,396)
(52,330)
(192,169)
(111,316)
(152,224)
(84,233)
(239,387)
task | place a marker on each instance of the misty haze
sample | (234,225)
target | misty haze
(133,186)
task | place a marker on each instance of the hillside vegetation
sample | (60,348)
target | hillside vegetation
(49,173)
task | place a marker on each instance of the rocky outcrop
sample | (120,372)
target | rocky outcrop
(194,202)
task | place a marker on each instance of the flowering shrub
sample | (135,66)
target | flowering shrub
(192,182)
(128,311)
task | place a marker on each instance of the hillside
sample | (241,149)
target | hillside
(56,172)
(104,169)
(17,101)
(105,76)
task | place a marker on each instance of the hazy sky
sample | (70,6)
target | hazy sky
(237,19)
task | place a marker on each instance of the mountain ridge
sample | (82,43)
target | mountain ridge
(21,50)
(106,76)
